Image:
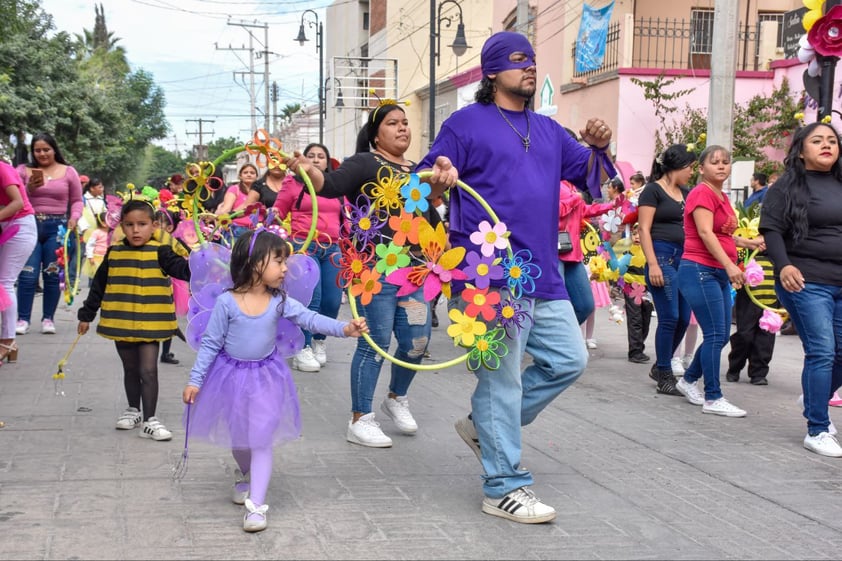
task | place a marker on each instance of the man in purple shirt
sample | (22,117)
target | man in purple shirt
(515,159)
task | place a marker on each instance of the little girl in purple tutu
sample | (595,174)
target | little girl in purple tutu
(241,392)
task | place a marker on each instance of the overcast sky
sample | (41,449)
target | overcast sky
(174,41)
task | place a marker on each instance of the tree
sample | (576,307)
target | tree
(220,145)
(289,110)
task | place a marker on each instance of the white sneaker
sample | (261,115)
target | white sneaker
(22,327)
(690,392)
(398,410)
(823,444)
(320,351)
(305,361)
(677,366)
(366,432)
(48,327)
(468,432)
(155,429)
(240,491)
(130,418)
(722,407)
(521,505)
(686,360)
(590,343)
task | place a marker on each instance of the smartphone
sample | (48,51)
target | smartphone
(37,175)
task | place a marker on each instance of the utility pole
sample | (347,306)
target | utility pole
(276,95)
(723,67)
(522,17)
(251,73)
(201,152)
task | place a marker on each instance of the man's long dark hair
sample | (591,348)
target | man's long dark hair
(793,182)
(485,93)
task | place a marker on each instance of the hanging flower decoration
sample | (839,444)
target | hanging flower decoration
(365,222)
(368,285)
(416,194)
(352,262)
(480,302)
(826,34)
(611,220)
(392,257)
(464,328)
(487,350)
(405,228)
(771,321)
(386,192)
(754,273)
(490,238)
(512,315)
(482,270)
(520,273)
(636,292)
(439,269)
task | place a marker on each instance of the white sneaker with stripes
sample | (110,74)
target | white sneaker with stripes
(521,505)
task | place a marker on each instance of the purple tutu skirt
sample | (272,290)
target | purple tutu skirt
(246,404)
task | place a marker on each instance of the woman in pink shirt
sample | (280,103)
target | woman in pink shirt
(55,192)
(15,210)
(707,271)
(236,196)
(293,198)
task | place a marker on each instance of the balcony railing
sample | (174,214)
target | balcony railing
(666,43)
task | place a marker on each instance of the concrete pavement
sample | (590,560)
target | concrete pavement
(631,473)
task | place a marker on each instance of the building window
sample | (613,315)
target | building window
(777,17)
(701,31)
(365,21)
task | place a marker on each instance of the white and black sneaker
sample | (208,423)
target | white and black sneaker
(130,418)
(467,431)
(155,429)
(521,505)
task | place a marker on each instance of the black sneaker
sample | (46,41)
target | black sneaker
(665,380)
(733,377)
(169,358)
(640,358)
(759,381)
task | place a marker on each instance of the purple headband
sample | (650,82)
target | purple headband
(496,50)
(272,229)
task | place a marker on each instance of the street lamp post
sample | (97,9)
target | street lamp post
(459,46)
(302,38)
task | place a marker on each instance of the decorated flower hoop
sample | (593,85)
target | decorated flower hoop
(70,291)
(753,297)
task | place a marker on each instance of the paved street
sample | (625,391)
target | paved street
(632,474)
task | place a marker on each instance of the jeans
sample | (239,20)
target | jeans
(42,260)
(672,309)
(578,284)
(816,312)
(409,318)
(708,291)
(506,399)
(13,255)
(327,296)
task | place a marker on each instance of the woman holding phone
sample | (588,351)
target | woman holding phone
(55,192)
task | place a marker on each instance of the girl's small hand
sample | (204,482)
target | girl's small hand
(791,279)
(83,327)
(355,327)
(189,395)
(656,276)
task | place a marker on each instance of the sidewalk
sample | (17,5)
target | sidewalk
(631,473)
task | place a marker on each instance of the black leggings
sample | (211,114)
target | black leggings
(140,374)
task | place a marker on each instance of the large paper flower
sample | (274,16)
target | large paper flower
(392,257)
(416,194)
(405,227)
(366,221)
(512,315)
(482,270)
(438,270)
(386,191)
(770,321)
(826,34)
(487,351)
(367,287)
(464,329)
(636,292)
(611,221)
(520,273)
(480,302)
(754,273)
(490,237)
(352,262)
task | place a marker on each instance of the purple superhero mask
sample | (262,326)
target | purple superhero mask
(498,48)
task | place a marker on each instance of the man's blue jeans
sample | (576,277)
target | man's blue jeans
(409,318)
(578,285)
(327,296)
(43,261)
(708,291)
(817,314)
(507,399)
(672,309)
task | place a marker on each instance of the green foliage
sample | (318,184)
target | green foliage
(663,102)
(217,147)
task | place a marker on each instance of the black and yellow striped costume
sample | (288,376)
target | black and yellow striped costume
(134,294)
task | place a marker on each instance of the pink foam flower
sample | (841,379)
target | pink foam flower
(754,273)
(771,321)
(490,237)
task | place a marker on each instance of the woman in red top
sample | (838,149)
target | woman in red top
(707,271)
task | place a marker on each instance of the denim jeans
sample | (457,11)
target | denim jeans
(578,285)
(327,296)
(506,399)
(672,309)
(409,318)
(817,314)
(708,291)
(43,261)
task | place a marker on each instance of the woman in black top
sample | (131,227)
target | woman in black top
(368,179)
(801,221)
(661,219)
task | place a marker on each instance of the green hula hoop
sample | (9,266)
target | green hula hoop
(753,298)
(69,295)
(439,365)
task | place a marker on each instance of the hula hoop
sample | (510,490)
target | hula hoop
(439,365)
(753,298)
(69,295)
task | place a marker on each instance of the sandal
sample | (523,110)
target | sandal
(9,353)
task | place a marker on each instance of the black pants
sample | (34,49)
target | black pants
(638,318)
(749,342)
(140,374)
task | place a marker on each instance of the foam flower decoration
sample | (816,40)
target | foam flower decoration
(365,221)
(487,351)
(416,194)
(636,292)
(386,190)
(770,321)
(405,227)
(754,273)
(438,270)
(464,329)
(512,315)
(807,54)
(638,259)
(748,227)
(520,273)
(482,270)
(368,285)
(392,257)
(490,237)
(826,34)
(611,220)
(480,302)
(352,262)
(224,221)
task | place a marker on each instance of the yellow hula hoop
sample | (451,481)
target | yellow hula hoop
(753,298)
(439,365)
(70,291)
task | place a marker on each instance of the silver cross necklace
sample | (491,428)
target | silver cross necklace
(523,139)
